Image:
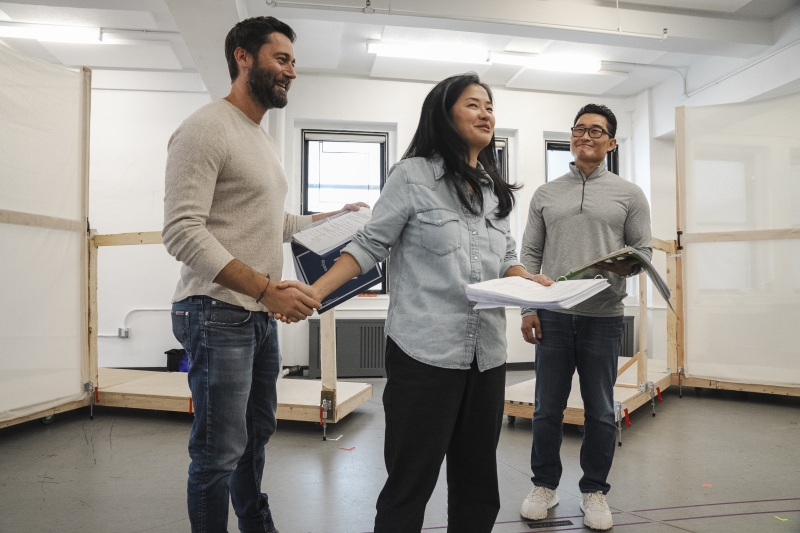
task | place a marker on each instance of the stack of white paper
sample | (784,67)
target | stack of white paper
(515,291)
(332,232)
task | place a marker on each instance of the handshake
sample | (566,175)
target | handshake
(292,301)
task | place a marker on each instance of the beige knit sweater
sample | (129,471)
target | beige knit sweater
(225,195)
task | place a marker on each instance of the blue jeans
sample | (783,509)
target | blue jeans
(235,365)
(592,345)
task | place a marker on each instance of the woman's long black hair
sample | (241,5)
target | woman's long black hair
(436,135)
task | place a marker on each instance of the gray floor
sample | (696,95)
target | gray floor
(724,462)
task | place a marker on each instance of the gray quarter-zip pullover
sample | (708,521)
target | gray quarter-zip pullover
(574,220)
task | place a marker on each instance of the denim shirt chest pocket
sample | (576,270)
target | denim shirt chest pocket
(498,229)
(440,230)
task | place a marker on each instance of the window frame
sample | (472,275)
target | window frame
(612,157)
(501,147)
(306,135)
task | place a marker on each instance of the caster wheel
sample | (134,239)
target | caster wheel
(512,420)
(47,419)
(619,444)
(580,429)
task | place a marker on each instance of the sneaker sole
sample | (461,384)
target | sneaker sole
(596,527)
(540,516)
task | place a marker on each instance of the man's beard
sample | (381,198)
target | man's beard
(263,87)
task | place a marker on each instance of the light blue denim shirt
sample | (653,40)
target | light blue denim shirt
(436,247)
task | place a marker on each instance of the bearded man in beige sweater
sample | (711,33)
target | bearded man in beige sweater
(224,219)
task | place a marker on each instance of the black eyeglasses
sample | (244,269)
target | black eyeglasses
(594,133)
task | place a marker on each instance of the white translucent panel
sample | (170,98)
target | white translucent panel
(558,163)
(742,165)
(42,348)
(342,172)
(742,311)
(40,138)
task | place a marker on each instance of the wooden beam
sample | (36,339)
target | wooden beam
(40,221)
(641,365)
(125,239)
(92,310)
(672,318)
(46,412)
(668,247)
(629,364)
(327,327)
(744,387)
(732,236)
(680,199)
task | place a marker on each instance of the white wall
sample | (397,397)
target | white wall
(130,131)
(382,105)
(129,135)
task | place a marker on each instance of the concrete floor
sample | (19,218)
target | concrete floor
(724,462)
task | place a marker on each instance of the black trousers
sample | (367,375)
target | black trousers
(433,413)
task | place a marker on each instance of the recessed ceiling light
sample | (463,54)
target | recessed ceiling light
(51,33)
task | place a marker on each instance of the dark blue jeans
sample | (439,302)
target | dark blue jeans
(235,365)
(591,345)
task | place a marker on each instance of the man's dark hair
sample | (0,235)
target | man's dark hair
(251,34)
(598,109)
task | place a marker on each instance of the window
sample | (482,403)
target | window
(501,148)
(341,168)
(558,157)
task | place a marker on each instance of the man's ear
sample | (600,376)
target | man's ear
(612,145)
(243,58)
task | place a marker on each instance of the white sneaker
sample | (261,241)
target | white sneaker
(596,513)
(536,504)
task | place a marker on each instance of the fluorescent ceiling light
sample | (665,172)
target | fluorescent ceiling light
(430,52)
(50,33)
(477,55)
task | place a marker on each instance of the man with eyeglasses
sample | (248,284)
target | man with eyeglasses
(585,214)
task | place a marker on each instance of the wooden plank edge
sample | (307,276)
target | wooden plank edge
(732,236)
(298,413)
(19,218)
(742,387)
(348,406)
(124,239)
(669,247)
(144,401)
(47,412)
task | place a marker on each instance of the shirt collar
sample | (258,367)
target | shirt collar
(599,172)
(437,162)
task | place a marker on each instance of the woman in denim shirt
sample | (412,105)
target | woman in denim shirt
(442,219)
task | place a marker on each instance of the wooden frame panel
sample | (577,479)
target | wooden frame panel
(303,397)
(679,350)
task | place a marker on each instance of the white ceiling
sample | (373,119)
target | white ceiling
(171,44)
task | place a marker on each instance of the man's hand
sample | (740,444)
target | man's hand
(531,329)
(354,207)
(542,280)
(287,302)
(303,288)
(623,267)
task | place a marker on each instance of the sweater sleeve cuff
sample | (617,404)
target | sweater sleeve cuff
(212,263)
(528,312)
